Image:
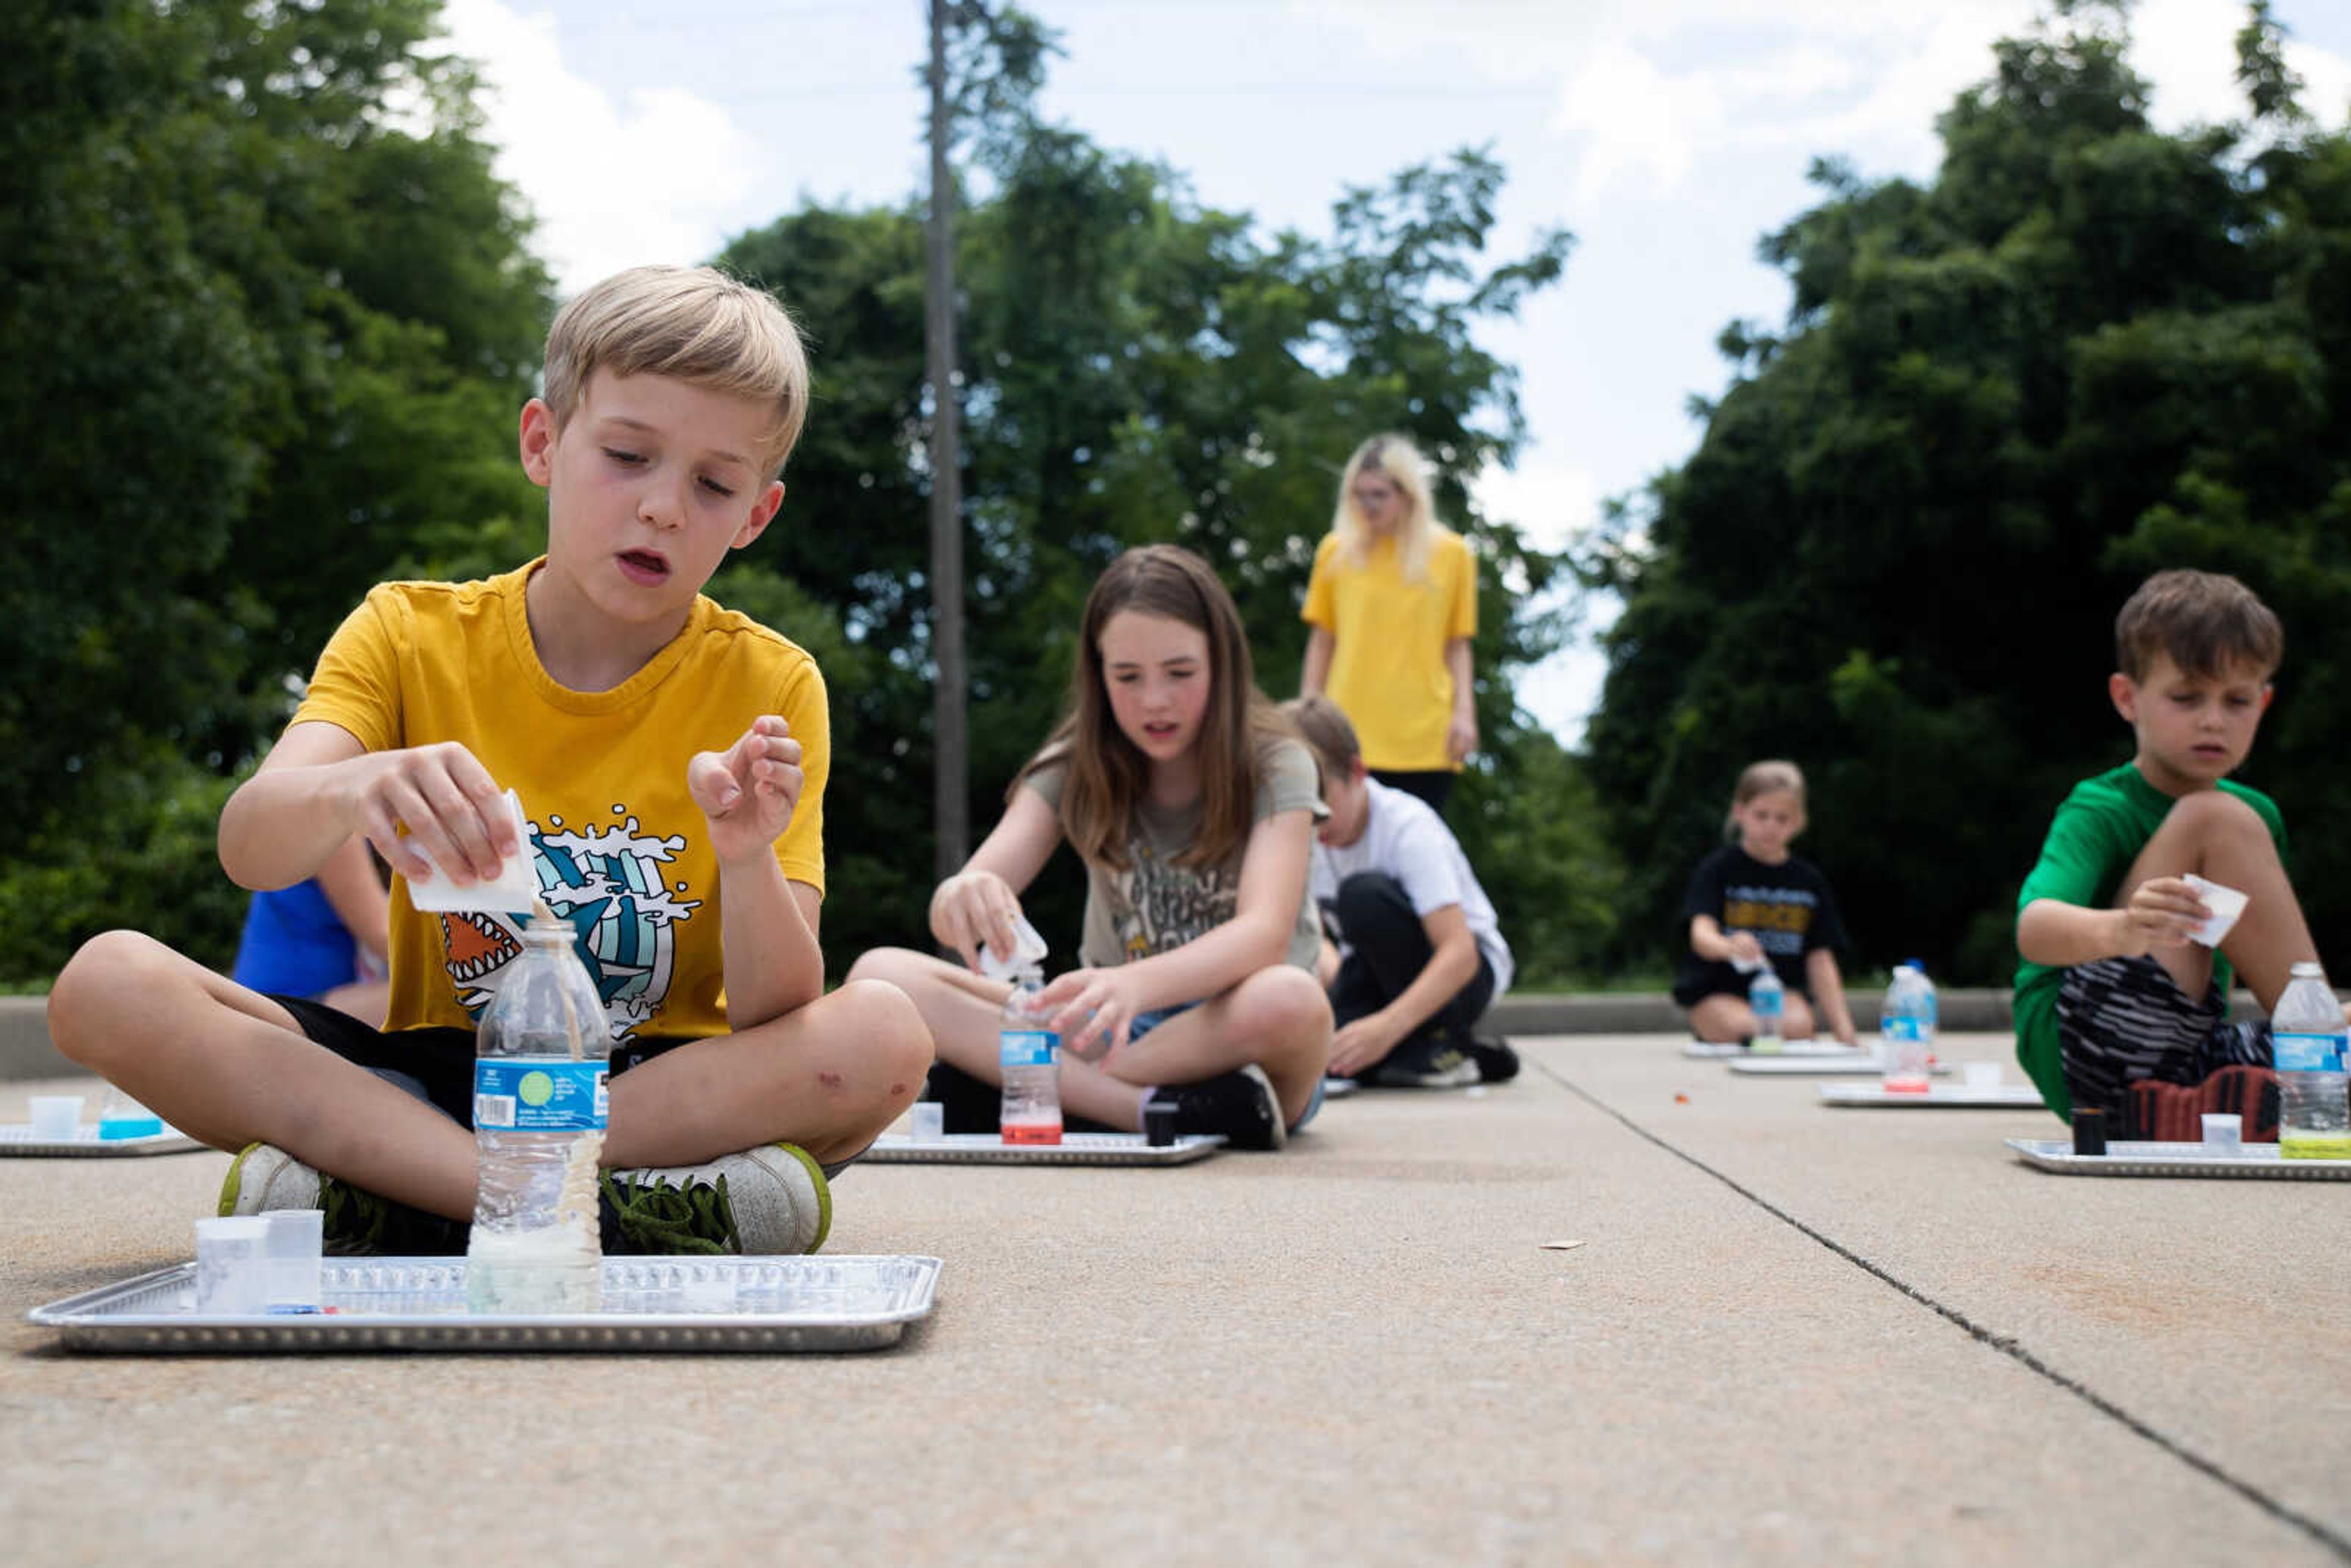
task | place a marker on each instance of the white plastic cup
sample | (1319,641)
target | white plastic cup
(930,1121)
(295,1242)
(2224,1133)
(1981,1074)
(233,1265)
(2226,904)
(56,1118)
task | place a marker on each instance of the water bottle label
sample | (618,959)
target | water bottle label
(1026,1047)
(2307,1052)
(1902,1028)
(542,1094)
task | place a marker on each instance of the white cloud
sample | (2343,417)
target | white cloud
(660,175)
(1650,92)
(1553,502)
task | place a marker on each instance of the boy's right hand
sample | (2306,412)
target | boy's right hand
(2163,912)
(1744,948)
(973,909)
(455,812)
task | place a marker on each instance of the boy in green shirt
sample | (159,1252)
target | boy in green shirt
(2112,989)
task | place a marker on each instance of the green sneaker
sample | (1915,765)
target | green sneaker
(769,1200)
(358,1222)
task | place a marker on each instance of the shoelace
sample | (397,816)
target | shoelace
(355,1217)
(660,1218)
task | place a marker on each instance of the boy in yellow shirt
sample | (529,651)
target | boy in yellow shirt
(671,758)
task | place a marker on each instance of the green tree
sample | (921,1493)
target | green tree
(2085,351)
(264,319)
(1141,367)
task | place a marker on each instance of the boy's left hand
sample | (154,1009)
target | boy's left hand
(1362,1043)
(749,792)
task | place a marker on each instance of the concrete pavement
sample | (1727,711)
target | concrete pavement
(1790,1334)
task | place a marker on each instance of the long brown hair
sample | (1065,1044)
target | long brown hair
(1108,774)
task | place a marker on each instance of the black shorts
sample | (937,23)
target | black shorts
(436,1065)
(2120,1020)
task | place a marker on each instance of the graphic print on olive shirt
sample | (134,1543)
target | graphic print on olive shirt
(1157,906)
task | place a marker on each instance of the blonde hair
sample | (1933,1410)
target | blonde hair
(1327,732)
(1108,774)
(1400,461)
(1769,777)
(694,324)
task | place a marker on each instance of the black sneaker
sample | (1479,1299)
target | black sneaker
(966,1104)
(1240,1104)
(1497,1063)
(1425,1062)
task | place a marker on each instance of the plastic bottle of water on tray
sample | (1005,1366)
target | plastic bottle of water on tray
(1768,1000)
(540,1106)
(2306,1034)
(1905,1028)
(1028,1052)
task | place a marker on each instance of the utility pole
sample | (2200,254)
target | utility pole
(950,815)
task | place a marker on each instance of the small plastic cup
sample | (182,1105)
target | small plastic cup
(233,1265)
(2224,1133)
(2226,904)
(930,1124)
(1981,1074)
(56,1118)
(1159,1125)
(2089,1131)
(295,1239)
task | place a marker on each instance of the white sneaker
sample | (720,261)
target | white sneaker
(765,1201)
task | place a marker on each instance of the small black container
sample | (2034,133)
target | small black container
(1159,1125)
(2089,1131)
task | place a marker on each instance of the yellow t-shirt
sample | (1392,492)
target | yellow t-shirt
(617,844)
(1387,661)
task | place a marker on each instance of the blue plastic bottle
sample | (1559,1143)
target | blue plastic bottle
(1769,1001)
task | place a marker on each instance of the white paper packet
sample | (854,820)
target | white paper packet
(1028,947)
(512,892)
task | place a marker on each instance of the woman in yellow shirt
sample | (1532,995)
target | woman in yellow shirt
(1393,604)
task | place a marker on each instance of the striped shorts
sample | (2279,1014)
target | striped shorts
(2123,1020)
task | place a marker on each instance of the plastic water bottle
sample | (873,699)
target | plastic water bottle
(2306,1034)
(1906,1028)
(1028,1052)
(1768,999)
(540,1106)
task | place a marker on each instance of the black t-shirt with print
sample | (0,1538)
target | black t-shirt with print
(1787,908)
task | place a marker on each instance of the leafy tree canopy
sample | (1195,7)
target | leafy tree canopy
(2086,351)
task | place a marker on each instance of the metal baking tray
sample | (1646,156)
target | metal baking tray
(17,1139)
(1944,1096)
(2124,1159)
(1817,1066)
(650,1304)
(1074,1149)
(1827,1049)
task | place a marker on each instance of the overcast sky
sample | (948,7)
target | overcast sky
(1667,134)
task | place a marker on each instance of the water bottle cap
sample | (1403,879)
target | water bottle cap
(1917,963)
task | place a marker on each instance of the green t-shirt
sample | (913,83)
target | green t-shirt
(2095,835)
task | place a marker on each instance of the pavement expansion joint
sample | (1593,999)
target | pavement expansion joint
(2006,1345)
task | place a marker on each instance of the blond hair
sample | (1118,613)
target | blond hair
(1396,459)
(1767,778)
(2203,622)
(693,324)
(1325,728)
